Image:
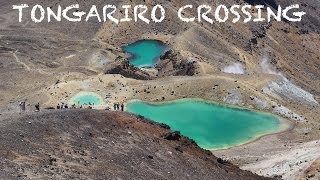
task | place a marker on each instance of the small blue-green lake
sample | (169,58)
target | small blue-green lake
(211,125)
(145,53)
(86,98)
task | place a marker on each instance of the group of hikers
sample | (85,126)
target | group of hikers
(65,106)
(62,106)
(22,106)
(116,106)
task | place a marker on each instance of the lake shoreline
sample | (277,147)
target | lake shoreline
(135,56)
(284,124)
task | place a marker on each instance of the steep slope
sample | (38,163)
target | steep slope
(98,144)
(51,62)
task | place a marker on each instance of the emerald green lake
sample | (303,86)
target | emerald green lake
(145,53)
(211,125)
(86,98)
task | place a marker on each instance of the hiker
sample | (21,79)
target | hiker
(22,106)
(115,106)
(66,106)
(58,106)
(37,106)
(118,106)
(62,106)
(122,107)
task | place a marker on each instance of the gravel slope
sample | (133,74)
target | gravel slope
(91,144)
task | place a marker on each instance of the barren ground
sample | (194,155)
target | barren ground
(50,62)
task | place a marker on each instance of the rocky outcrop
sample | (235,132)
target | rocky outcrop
(170,64)
(127,70)
(172,136)
(173,64)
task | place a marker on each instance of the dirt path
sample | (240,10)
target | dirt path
(20,62)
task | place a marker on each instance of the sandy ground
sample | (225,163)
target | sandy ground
(289,164)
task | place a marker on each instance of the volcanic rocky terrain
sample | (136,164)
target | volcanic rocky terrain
(272,67)
(92,144)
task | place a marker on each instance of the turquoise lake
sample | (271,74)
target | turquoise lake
(86,98)
(145,53)
(211,125)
